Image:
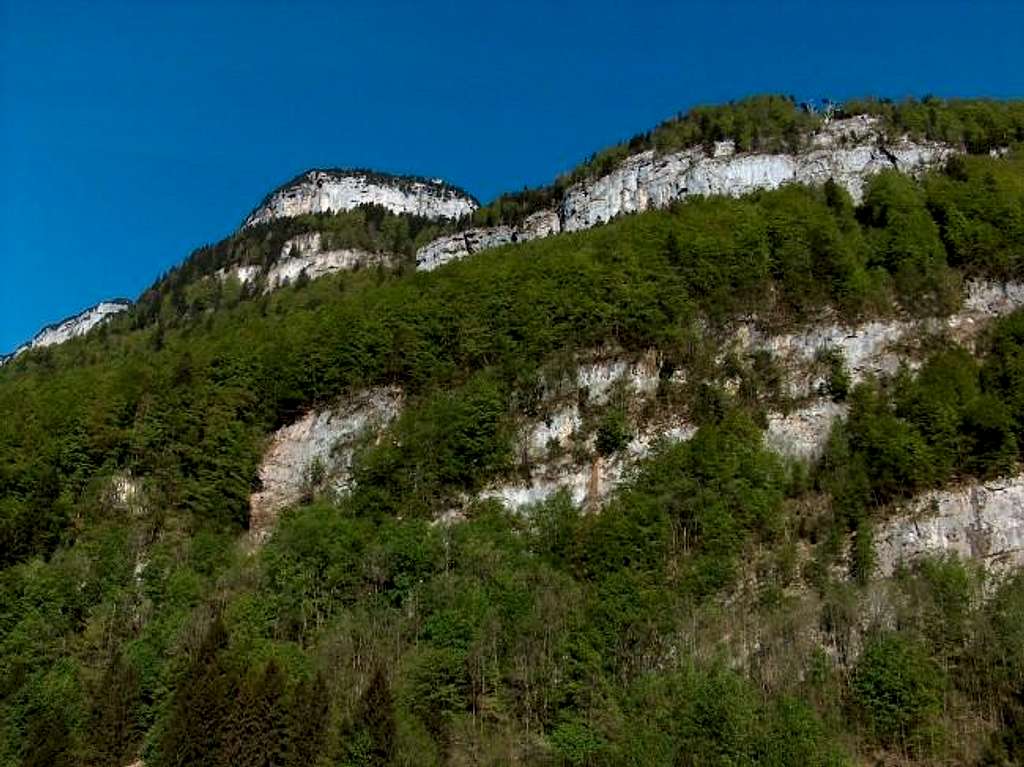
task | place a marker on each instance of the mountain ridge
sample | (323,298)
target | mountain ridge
(570,202)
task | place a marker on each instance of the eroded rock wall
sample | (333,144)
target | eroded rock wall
(307,255)
(321,441)
(846,151)
(455,246)
(983,521)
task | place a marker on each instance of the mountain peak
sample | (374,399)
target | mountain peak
(332,190)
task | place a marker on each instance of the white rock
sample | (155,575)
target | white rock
(993,298)
(557,429)
(328,436)
(589,483)
(321,191)
(870,348)
(455,246)
(244,273)
(803,433)
(847,151)
(319,265)
(981,521)
(543,223)
(873,348)
(306,254)
(441,251)
(72,327)
(600,378)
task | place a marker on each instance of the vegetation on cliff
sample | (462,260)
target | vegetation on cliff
(721,608)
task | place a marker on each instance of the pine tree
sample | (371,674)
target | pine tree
(369,741)
(115,733)
(201,706)
(307,721)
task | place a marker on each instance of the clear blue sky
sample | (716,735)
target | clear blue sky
(132,132)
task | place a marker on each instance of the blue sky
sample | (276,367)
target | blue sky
(132,132)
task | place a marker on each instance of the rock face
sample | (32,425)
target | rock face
(876,348)
(869,349)
(332,191)
(315,453)
(548,445)
(452,247)
(78,325)
(803,434)
(244,273)
(981,521)
(587,483)
(306,254)
(847,151)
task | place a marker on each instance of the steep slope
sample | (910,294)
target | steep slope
(735,479)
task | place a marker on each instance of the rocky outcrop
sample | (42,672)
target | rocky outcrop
(803,433)
(981,521)
(589,482)
(455,246)
(846,151)
(244,273)
(333,191)
(307,255)
(315,454)
(878,347)
(550,448)
(124,495)
(78,325)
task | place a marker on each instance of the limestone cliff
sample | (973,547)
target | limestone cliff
(847,151)
(307,255)
(452,247)
(76,325)
(556,451)
(333,191)
(315,453)
(983,521)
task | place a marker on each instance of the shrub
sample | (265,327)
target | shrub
(613,432)
(897,688)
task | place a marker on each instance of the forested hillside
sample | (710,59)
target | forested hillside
(722,604)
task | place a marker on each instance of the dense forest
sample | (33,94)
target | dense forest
(723,607)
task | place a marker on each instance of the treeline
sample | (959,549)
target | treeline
(758,123)
(978,125)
